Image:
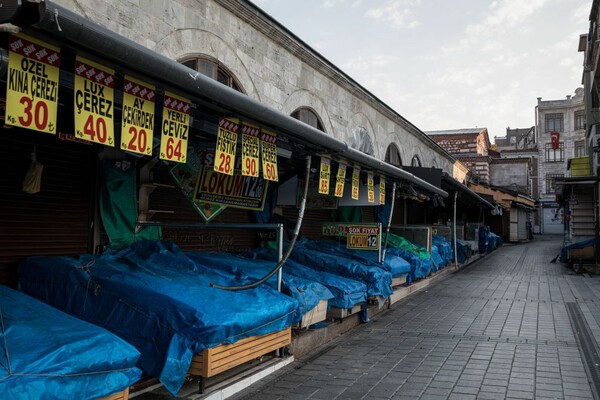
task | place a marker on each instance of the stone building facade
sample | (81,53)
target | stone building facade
(271,65)
(561,129)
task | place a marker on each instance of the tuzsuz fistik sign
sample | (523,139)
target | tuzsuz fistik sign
(32,87)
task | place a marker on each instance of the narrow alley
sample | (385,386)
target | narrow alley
(500,328)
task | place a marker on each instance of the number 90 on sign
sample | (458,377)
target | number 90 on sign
(250,167)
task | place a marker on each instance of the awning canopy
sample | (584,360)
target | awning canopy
(65,26)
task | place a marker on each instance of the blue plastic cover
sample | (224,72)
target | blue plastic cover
(47,354)
(437,261)
(157,299)
(463,249)
(348,292)
(378,281)
(444,247)
(394,264)
(306,292)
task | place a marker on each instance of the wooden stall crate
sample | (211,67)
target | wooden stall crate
(341,313)
(124,395)
(213,361)
(576,255)
(317,314)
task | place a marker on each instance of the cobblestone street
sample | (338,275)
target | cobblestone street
(500,328)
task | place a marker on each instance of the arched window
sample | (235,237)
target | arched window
(361,141)
(309,117)
(392,155)
(213,69)
(415,162)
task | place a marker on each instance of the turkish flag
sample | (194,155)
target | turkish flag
(555,138)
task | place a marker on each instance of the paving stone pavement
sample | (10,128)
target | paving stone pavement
(497,329)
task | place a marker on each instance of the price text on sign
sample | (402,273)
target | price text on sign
(94,102)
(175,127)
(137,126)
(324,175)
(250,150)
(355,181)
(269,156)
(370,188)
(226,145)
(32,87)
(382,190)
(340,178)
(363,241)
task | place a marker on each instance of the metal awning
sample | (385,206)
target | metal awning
(65,26)
(471,195)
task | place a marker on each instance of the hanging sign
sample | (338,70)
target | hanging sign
(269,156)
(137,126)
(230,190)
(32,87)
(370,187)
(94,102)
(324,175)
(340,178)
(175,127)
(355,181)
(363,237)
(250,150)
(381,189)
(226,145)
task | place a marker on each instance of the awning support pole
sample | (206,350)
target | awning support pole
(454,229)
(387,228)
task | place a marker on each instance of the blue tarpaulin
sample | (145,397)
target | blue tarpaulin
(306,292)
(564,253)
(347,292)
(157,299)
(47,354)
(378,281)
(444,248)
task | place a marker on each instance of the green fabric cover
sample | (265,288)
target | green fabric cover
(400,242)
(348,214)
(118,206)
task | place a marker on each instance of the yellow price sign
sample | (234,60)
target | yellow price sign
(137,126)
(370,188)
(324,175)
(175,128)
(94,102)
(32,87)
(340,178)
(250,150)
(226,144)
(269,156)
(382,190)
(355,181)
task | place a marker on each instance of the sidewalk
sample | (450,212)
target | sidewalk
(500,328)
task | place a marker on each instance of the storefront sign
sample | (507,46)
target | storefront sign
(269,156)
(137,126)
(175,127)
(355,181)
(363,238)
(230,190)
(381,189)
(32,87)
(370,188)
(340,179)
(250,150)
(94,102)
(226,145)
(324,175)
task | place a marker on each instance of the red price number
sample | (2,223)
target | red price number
(270,172)
(371,197)
(339,189)
(138,141)
(36,114)
(354,192)
(324,186)
(96,129)
(173,148)
(251,168)
(225,163)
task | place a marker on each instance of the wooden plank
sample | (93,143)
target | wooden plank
(317,314)
(341,313)
(221,358)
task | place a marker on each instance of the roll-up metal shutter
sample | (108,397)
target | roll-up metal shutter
(522,213)
(55,221)
(514,224)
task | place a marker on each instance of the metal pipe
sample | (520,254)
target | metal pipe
(454,226)
(387,228)
(289,249)
(69,27)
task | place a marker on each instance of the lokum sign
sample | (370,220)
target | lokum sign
(32,87)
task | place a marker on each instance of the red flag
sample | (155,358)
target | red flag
(555,138)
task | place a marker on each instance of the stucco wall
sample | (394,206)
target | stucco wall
(269,70)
